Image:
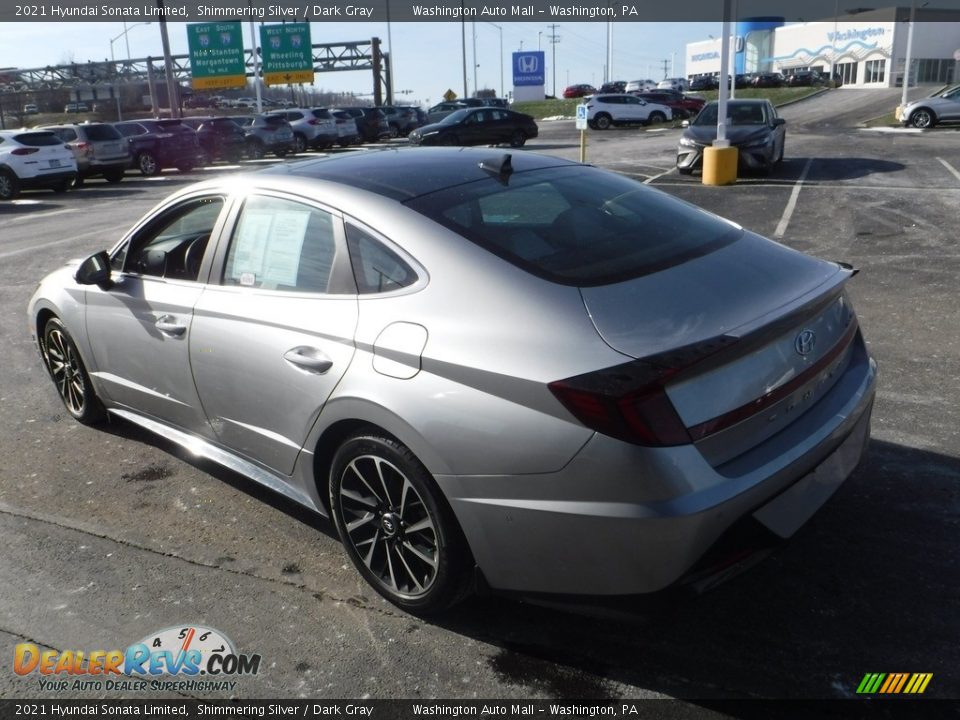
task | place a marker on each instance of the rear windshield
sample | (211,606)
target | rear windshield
(38,139)
(97,133)
(579,225)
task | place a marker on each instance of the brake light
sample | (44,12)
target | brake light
(313,121)
(609,403)
(85,148)
(25,151)
(629,401)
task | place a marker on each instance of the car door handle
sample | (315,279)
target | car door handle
(308,358)
(168,325)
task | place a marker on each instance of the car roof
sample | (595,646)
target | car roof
(406,173)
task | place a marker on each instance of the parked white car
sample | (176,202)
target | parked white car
(604,111)
(677,84)
(635,86)
(32,159)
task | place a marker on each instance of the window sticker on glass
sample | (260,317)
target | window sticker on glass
(268,247)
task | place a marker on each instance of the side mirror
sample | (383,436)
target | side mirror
(95,270)
(685,123)
(777,122)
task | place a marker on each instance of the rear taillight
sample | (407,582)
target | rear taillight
(85,148)
(25,151)
(313,121)
(629,401)
(626,404)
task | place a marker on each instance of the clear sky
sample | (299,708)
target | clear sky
(428,57)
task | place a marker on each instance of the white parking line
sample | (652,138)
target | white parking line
(43,215)
(792,202)
(33,248)
(658,176)
(951,168)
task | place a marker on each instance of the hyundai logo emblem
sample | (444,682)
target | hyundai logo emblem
(805,342)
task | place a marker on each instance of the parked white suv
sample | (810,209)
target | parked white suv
(313,128)
(635,86)
(677,84)
(622,109)
(32,159)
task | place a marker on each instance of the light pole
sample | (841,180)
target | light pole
(113,60)
(909,58)
(500,29)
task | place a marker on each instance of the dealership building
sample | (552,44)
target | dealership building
(866,49)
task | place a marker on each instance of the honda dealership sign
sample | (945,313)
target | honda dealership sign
(529,75)
(528,69)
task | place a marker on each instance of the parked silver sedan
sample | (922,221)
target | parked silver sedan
(511,371)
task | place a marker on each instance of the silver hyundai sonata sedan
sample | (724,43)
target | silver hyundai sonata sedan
(506,370)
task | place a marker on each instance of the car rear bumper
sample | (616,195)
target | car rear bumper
(47,179)
(622,520)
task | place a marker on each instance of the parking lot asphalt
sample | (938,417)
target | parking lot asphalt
(111,534)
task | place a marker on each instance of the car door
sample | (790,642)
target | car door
(949,107)
(273,334)
(140,327)
(633,109)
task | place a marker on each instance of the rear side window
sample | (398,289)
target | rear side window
(578,226)
(97,133)
(321,114)
(37,139)
(376,268)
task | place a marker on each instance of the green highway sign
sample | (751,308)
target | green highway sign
(287,53)
(216,55)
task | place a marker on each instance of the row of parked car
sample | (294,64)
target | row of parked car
(800,78)
(64,155)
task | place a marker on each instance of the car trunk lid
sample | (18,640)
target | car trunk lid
(750,334)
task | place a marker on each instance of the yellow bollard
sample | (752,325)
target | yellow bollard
(719,165)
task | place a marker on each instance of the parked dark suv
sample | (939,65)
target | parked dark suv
(401,119)
(221,138)
(98,148)
(371,122)
(159,144)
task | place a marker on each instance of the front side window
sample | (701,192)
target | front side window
(281,245)
(173,245)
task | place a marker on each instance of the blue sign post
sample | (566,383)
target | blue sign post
(529,69)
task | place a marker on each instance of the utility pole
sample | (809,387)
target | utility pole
(554,39)
(172,94)
(463,43)
(666,64)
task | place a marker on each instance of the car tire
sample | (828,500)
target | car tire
(78,181)
(780,156)
(685,171)
(603,121)
(394,131)
(255,149)
(657,117)
(114,176)
(299,143)
(396,526)
(62,186)
(69,374)
(518,139)
(148,165)
(923,118)
(281,153)
(9,185)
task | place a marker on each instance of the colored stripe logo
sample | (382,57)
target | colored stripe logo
(894,683)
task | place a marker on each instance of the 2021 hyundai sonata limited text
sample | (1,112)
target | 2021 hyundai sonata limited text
(516,368)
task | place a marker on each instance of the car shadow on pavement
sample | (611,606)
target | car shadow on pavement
(871,584)
(28,203)
(832,169)
(130,431)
